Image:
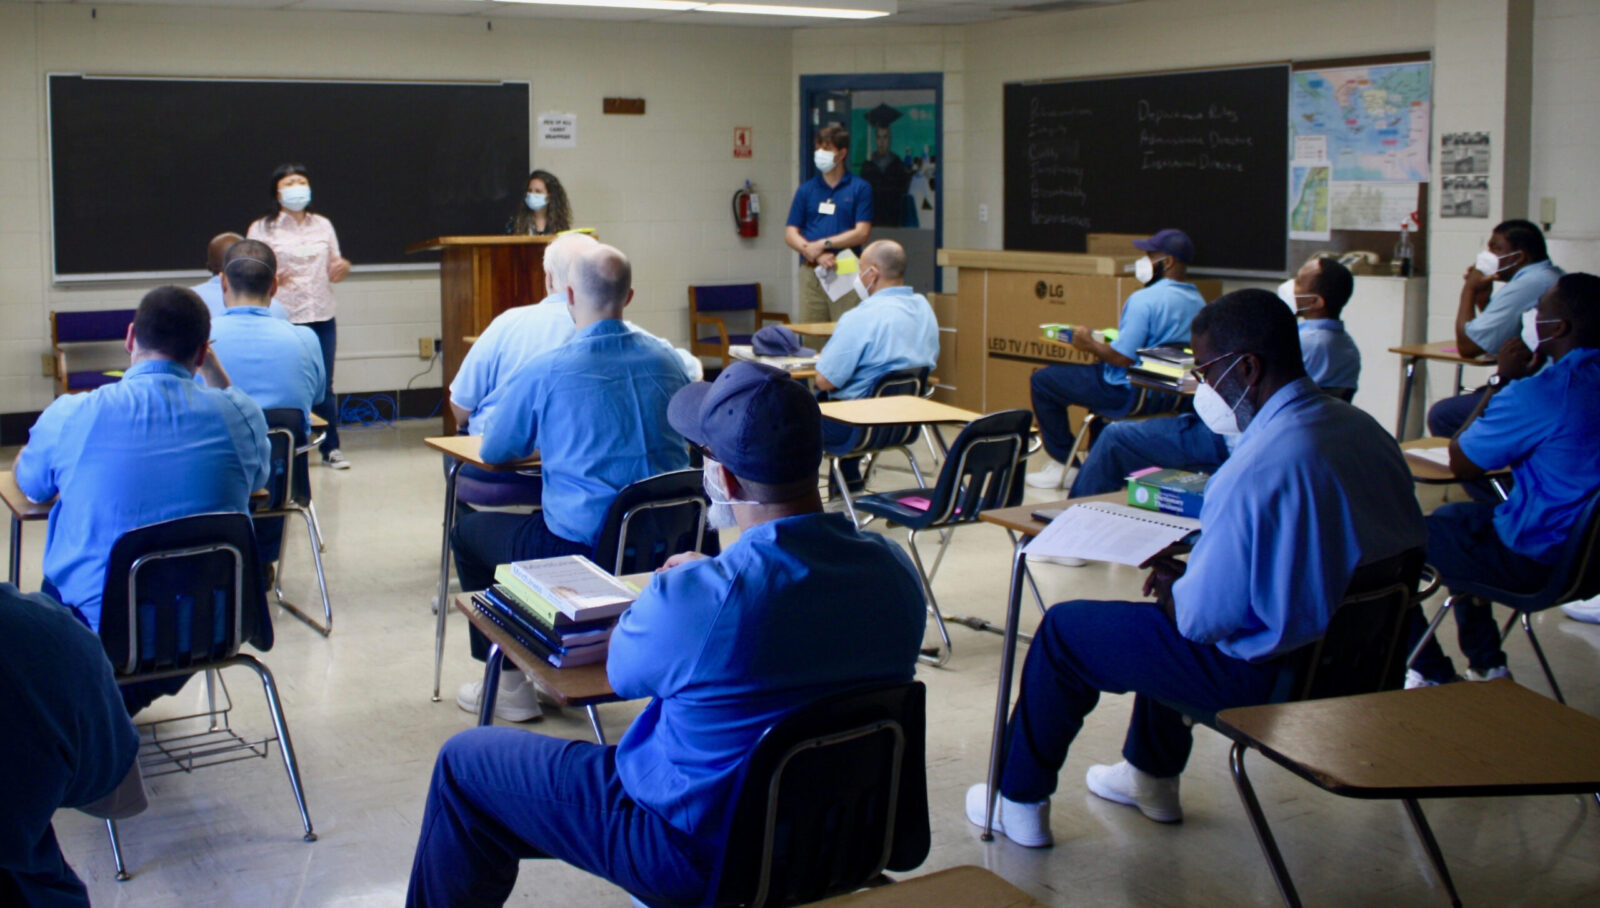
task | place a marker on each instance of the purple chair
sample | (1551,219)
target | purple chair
(72,328)
(709,306)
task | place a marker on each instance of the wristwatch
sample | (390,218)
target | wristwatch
(828,244)
(1495,381)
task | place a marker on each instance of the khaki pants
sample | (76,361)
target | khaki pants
(814,303)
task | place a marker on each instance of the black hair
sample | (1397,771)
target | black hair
(557,213)
(1334,284)
(1253,321)
(173,322)
(250,266)
(1525,237)
(290,169)
(1577,298)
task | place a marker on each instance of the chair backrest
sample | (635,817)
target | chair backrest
(724,297)
(1362,650)
(89,327)
(983,469)
(182,594)
(651,520)
(1576,573)
(894,383)
(832,794)
(286,433)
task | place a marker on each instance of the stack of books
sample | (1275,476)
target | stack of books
(561,609)
(1168,364)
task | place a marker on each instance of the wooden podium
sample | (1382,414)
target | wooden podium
(479,278)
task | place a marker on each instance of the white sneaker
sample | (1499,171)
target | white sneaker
(1124,784)
(517,700)
(1587,611)
(1490,675)
(1026,824)
(335,460)
(1415,679)
(1063,560)
(1053,476)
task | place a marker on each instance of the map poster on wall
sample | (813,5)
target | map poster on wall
(1374,119)
(1308,201)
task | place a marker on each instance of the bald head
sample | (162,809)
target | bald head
(559,256)
(888,259)
(217,248)
(600,285)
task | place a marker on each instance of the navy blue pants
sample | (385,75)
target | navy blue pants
(482,540)
(1082,648)
(1445,419)
(328,336)
(839,438)
(500,795)
(1464,547)
(1181,442)
(1057,387)
(42,878)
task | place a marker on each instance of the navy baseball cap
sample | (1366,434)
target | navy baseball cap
(1172,241)
(755,420)
(778,340)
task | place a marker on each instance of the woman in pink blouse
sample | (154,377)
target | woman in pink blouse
(309,264)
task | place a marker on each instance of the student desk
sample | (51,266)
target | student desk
(1426,472)
(1438,351)
(1020,521)
(21,509)
(796,366)
(460,449)
(899,410)
(967,886)
(814,329)
(1470,740)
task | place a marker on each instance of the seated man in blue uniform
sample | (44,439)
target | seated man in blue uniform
(210,290)
(277,363)
(1157,314)
(71,742)
(1537,417)
(1317,293)
(724,646)
(1487,316)
(99,451)
(893,328)
(1314,490)
(596,411)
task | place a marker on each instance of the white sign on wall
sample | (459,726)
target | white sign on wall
(558,130)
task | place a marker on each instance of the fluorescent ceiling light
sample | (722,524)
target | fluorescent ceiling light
(675,6)
(814,12)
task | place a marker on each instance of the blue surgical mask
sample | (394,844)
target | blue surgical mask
(536,201)
(295,198)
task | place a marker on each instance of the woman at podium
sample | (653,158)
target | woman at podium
(309,264)
(544,209)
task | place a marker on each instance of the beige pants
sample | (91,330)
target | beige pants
(814,303)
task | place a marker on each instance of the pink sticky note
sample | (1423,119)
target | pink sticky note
(917,501)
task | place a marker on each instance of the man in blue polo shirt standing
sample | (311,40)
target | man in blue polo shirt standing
(830,212)
(1159,313)
(1540,423)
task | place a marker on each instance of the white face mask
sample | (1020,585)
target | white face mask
(860,288)
(1292,299)
(295,198)
(1213,410)
(536,201)
(1144,270)
(1489,264)
(720,516)
(823,160)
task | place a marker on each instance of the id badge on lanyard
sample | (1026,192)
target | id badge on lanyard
(826,207)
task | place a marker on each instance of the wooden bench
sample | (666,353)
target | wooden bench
(75,330)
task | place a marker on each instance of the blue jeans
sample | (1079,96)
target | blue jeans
(1464,547)
(1181,442)
(328,336)
(500,795)
(1082,648)
(1057,387)
(483,540)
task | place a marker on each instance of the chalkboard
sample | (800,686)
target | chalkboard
(1203,151)
(145,171)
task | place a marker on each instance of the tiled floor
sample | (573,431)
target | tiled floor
(366,734)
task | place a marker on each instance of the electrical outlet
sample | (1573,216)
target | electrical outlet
(47,365)
(438,346)
(983,214)
(424,348)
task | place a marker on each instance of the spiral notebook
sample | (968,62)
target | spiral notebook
(1107,531)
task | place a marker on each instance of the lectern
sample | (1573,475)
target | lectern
(479,278)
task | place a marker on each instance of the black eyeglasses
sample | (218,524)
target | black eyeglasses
(1198,373)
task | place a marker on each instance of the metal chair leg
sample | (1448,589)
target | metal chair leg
(1544,663)
(492,666)
(326,627)
(941,655)
(844,490)
(1079,443)
(1431,846)
(594,722)
(211,697)
(281,728)
(316,526)
(1433,626)
(929,433)
(915,469)
(443,610)
(1258,822)
(116,851)
(1028,575)
(944,544)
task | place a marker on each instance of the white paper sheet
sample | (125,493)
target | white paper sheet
(1439,455)
(1105,531)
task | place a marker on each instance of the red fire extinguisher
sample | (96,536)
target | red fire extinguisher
(747,211)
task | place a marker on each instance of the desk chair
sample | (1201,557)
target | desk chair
(72,330)
(982,471)
(722,299)
(870,440)
(289,494)
(833,794)
(1359,653)
(1573,578)
(1146,403)
(182,597)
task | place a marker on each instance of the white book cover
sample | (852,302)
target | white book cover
(1107,531)
(575,585)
